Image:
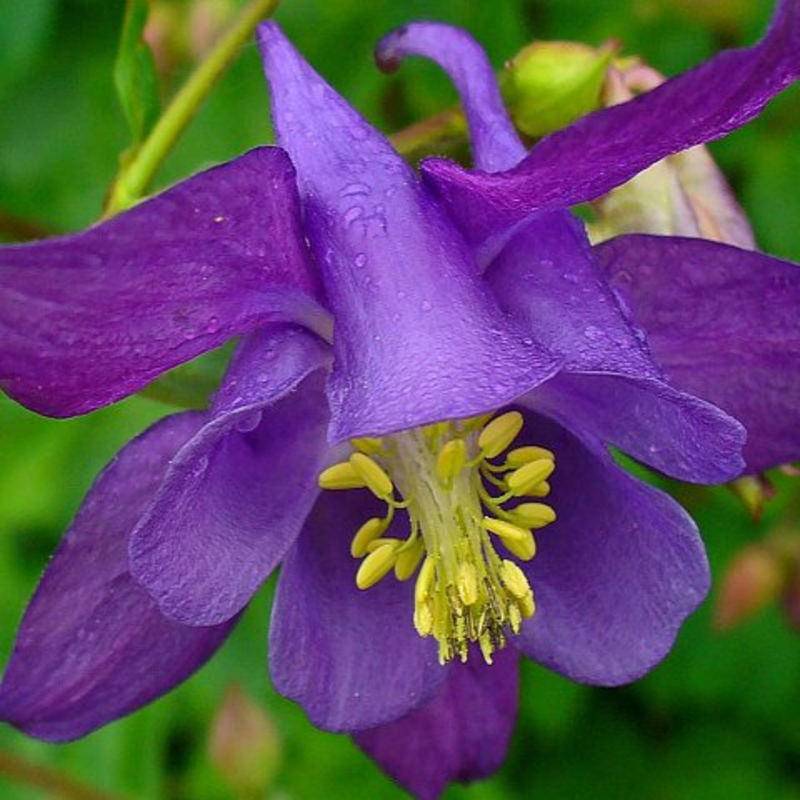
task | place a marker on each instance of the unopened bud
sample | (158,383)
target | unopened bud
(753,580)
(244,745)
(549,85)
(753,491)
(683,195)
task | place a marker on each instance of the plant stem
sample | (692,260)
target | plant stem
(48,779)
(135,177)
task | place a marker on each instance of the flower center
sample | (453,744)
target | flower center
(464,493)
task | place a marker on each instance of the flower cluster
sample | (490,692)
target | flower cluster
(432,368)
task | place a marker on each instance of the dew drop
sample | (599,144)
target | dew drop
(360,260)
(200,466)
(249,422)
(352,215)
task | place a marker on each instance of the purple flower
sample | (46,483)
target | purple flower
(448,359)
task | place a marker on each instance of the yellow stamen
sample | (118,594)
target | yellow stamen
(534,515)
(526,477)
(372,474)
(468,583)
(451,460)
(408,560)
(376,565)
(454,481)
(424,583)
(524,455)
(367,445)
(507,531)
(341,476)
(524,549)
(366,534)
(499,433)
(514,578)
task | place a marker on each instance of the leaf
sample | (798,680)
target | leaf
(135,74)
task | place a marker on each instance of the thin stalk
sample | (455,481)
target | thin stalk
(48,779)
(134,178)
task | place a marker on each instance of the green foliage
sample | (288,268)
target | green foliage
(135,74)
(717,720)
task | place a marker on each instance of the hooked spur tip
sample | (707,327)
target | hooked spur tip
(388,52)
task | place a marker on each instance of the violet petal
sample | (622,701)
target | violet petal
(236,494)
(615,575)
(350,657)
(548,278)
(93,646)
(495,144)
(92,317)
(608,147)
(723,323)
(418,336)
(461,735)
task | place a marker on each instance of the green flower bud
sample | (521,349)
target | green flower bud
(548,85)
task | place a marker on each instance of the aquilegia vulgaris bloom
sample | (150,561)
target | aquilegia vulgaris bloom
(416,420)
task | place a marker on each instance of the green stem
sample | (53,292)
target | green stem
(48,779)
(134,178)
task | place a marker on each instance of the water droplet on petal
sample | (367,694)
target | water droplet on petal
(248,422)
(360,260)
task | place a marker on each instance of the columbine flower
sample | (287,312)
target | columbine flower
(475,378)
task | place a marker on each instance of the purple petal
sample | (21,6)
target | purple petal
(93,646)
(461,735)
(495,144)
(236,494)
(351,658)
(418,336)
(90,318)
(607,148)
(617,573)
(724,324)
(609,386)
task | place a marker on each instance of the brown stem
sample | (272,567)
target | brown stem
(49,779)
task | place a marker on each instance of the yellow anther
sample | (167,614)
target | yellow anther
(408,561)
(376,543)
(341,476)
(365,535)
(524,549)
(376,565)
(522,480)
(467,583)
(540,490)
(367,445)
(515,580)
(499,433)
(423,619)
(534,515)
(372,474)
(424,584)
(451,460)
(524,455)
(527,605)
(507,531)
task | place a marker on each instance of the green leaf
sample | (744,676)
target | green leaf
(135,74)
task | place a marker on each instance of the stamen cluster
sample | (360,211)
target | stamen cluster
(457,488)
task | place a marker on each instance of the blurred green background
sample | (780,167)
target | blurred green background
(716,720)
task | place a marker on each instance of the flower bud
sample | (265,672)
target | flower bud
(244,745)
(753,491)
(548,85)
(683,195)
(754,579)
